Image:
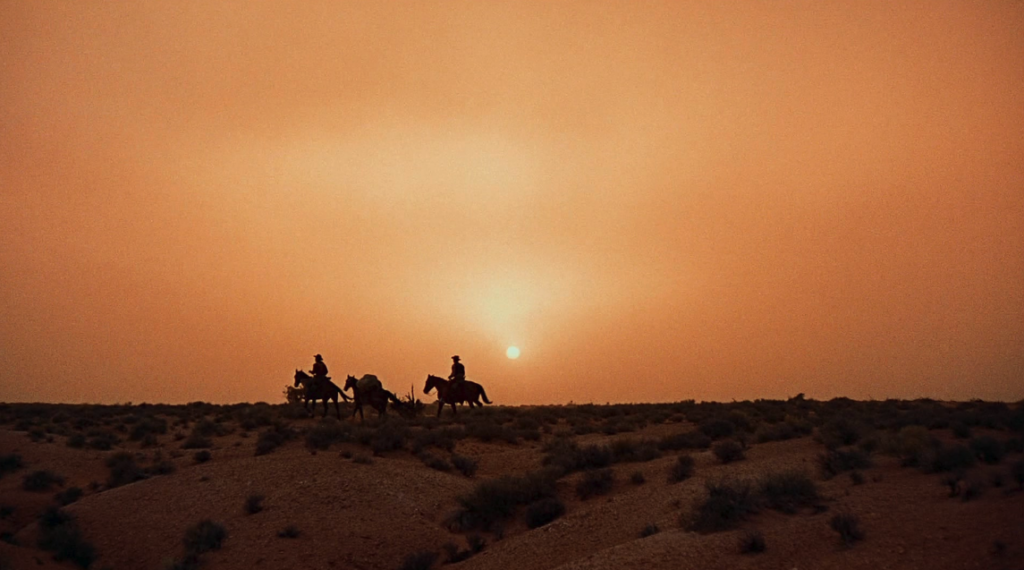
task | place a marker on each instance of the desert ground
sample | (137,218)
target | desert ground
(788,484)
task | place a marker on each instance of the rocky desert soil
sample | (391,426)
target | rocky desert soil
(922,482)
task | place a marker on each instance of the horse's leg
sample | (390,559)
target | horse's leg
(337,410)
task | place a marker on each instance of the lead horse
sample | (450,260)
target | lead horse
(321,390)
(373,394)
(465,392)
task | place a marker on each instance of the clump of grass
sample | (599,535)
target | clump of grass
(684,440)
(435,462)
(848,527)
(594,483)
(649,530)
(494,500)
(204,536)
(752,542)
(9,463)
(76,440)
(540,513)
(59,534)
(952,458)
(290,531)
(254,504)
(123,469)
(681,470)
(836,461)
(728,451)
(202,456)
(68,496)
(637,478)
(988,449)
(326,432)
(1017,473)
(726,505)
(466,465)
(422,560)
(40,481)
(788,491)
(196,440)
(857,477)
(362,459)
(272,438)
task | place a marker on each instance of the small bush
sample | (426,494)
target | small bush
(327,432)
(39,481)
(202,456)
(540,513)
(68,496)
(752,542)
(76,441)
(59,534)
(972,489)
(788,491)
(717,428)
(952,458)
(684,440)
(596,482)
(961,430)
(988,449)
(728,451)
(848,527)
(290,531)
(649,530)
(362,459)
(637,478)
(123,469)
(466,465)
(422,560)
(836,461)
(681,470)
(857,477)
(271,439)
(205,536)
(9,463)
(196,440)
(435,462)
(254,504)
(497,499)
(1017,473)
(726,505)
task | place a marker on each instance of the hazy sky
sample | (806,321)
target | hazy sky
(655,201)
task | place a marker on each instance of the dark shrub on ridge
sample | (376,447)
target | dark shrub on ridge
(595,482)
(727,504)
(59,534)
(727,451)
(681,470)
(542,512)
(988,449)
(787,491)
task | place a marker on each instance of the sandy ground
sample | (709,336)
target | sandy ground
(372,516)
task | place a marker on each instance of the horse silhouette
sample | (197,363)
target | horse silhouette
(464,392)
(374,394)
(314,390)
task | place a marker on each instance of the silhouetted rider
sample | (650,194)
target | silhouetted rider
(319,370)
(458,371)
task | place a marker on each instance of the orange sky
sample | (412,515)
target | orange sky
(654,201)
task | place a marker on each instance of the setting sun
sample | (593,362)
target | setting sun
(512,352)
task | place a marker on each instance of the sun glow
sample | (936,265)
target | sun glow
(512,352)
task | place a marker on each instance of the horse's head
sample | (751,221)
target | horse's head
(351,383)
(432,382)
(300,377)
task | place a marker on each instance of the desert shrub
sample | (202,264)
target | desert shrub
(59,534)
(637,478)
(326,432)
(9,463)
(439,438)
(362,459)
(848,527)
(540,513)
(681,470)
(836,461)
(717,428)
(841,430)
(272,438)
(961,430)
(68,496)
(727,451)
(254,504)
(911,445)
(787,491)
(684,440)
(255,416)
(76,440)
(595,482)
(435,462)
(649,529)
(1017,473)
(390,436)
(630,450)
(202,456)
(196,440)
(41,480)
(123,469)
(205,536)
(988,449)
(774,432)
(487,431)
(972,489)
(857,477)
(290,531)
(466,465)
(422,560)
(568,456)
(752,542)
(162,465)
(102,440)
(951,458)
(6,511)
(497,499)
(207,428)
(148,426)
(726,505)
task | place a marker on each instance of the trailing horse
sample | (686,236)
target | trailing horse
(371,392)
(323,389)
(464,392)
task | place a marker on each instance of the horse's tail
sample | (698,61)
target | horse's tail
(391,397)
(344,396)
(483,395)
